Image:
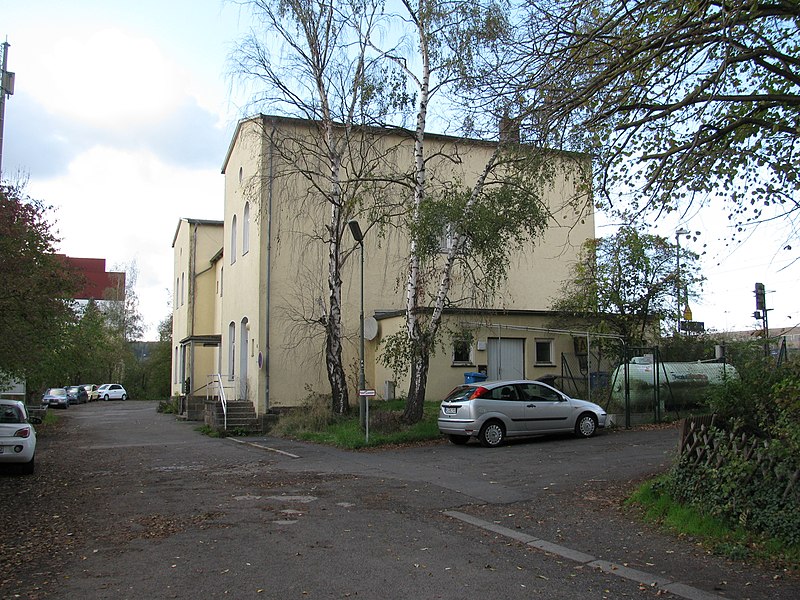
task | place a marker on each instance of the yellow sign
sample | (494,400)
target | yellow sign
(687,313)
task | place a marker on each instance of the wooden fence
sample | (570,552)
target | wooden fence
(701,444)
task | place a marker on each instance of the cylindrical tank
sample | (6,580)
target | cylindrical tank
(680,383)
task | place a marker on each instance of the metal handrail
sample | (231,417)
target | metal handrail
(217,379)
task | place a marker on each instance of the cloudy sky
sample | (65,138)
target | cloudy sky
(122,115)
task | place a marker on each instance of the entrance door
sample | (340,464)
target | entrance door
(243,349)
(506,358)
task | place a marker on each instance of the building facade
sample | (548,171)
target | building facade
(251,291)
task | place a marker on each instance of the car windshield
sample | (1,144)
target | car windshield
(56,392)
(72,390)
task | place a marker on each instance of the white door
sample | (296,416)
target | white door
(506,358)
(243,349)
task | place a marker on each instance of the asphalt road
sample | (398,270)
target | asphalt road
(129,503)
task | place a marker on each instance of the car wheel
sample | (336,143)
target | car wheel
(586,425)
(28,467)
(458,440)
(492,434)
(124,396)
(105,397)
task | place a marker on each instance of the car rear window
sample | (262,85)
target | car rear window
(460,394)
(10,414)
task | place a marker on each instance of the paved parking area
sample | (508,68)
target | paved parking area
(129,503)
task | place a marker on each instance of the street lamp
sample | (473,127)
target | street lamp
(678,235)
(358,236)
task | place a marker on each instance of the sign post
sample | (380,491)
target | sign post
(366,395)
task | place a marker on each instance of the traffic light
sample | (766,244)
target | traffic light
(761,302)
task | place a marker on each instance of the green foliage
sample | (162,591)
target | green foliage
(750,483)
(35,287)
(628,281)
(169,407)
(315,422)
(682,117)
(739,492)
(732,539)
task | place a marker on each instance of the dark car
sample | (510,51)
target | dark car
(77,395)
(55,397)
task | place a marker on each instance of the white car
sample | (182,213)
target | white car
(17,435)
(492,411)
(112,391)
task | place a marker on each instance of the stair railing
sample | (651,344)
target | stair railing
(216,380)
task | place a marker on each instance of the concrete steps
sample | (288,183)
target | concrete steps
(241,417)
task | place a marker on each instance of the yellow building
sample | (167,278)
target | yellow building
(251,291)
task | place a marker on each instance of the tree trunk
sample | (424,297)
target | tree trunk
(340,401)
(415,403)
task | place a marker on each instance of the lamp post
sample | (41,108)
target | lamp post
(678,235)
(358,236)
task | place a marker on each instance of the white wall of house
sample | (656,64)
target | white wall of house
(266,300)
(194,245)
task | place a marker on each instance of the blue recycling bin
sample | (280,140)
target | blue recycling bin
(474,377)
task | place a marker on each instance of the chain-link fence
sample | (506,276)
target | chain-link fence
(635,385)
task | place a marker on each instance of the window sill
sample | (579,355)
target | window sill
(462,364)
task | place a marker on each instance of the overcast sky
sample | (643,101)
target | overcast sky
(122,115)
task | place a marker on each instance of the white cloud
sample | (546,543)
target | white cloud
(124,206)
(107,78)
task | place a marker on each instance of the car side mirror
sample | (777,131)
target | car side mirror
(35,420)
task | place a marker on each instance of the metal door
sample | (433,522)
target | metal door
(506,358)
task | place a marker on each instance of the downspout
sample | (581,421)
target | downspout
(191,300)
(268,273)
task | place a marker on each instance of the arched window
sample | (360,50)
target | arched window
(233,240)
(231,350)
(246,229)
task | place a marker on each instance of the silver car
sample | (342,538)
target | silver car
(495,410)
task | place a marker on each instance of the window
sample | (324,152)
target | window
(446,239)
(221,280)
(539,393)
(183,289)
(231,350)
(246,229)
(544,352)
(233,239)
(462,350)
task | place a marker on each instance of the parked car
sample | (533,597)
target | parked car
(77,395)
(492,411)
(91,391)
(112,391)
(56,397)
(17,435)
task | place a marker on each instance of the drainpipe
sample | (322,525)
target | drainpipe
(268,273)
(190,300)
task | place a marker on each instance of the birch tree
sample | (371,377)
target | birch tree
(626,282)
(311,59)
(487,218)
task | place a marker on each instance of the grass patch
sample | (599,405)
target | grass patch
(314,422)
(732,541)
(209,431)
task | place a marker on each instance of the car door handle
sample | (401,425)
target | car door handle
(530,406)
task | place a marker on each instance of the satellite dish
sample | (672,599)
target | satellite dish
(370,328)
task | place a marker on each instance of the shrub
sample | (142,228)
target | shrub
(752,477)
